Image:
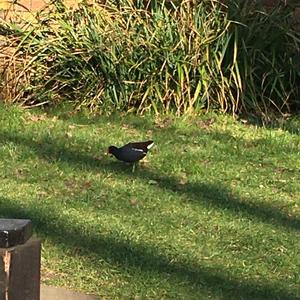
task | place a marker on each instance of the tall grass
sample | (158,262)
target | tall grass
(266,50)
(181,56)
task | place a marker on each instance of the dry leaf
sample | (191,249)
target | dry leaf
(205,161)
(133,202)
(19,172)
(144,162)
(206,124)
(129,129)
(99,157)
(87,185)
(70,183)
(163,123)
(152,182)
(183,180)
(35,118)
(41,193)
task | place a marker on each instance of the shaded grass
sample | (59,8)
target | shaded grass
(213,214)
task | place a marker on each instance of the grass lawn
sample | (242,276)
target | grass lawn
(213,213)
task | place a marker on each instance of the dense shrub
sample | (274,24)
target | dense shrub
(181,56)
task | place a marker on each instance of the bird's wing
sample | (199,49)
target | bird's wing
(145,146)
(138,150)
(150,145)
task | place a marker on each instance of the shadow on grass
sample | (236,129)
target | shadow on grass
(289,124)
(213,195)
(144,258)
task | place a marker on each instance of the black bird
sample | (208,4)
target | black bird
(131,152)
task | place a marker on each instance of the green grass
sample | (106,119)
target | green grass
(212,214)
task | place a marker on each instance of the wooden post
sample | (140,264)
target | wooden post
(20,259)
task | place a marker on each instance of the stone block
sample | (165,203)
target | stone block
(20,271)
(14,232)
(57,293)
(20,261)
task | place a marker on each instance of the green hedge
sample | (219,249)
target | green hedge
(162,56)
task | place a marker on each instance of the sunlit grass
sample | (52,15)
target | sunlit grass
(211,213)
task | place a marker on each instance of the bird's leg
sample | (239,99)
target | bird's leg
(133,167)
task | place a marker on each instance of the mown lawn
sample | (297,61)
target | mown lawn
(213,213)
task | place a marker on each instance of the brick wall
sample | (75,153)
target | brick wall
(33,5)
(29,4)
(7,8)
(25,7)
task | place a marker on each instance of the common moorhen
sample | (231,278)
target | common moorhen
(131,152)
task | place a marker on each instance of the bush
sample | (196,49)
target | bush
(181,56)
(266,51)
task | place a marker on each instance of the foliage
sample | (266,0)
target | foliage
(266,50)
(182,56)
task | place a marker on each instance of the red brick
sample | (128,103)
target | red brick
(37,4)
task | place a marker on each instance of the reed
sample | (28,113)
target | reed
(160,56)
